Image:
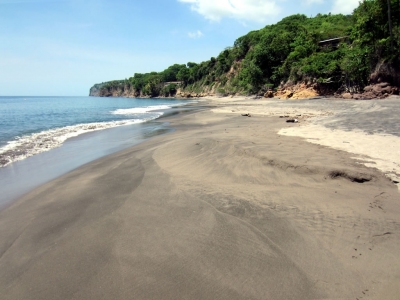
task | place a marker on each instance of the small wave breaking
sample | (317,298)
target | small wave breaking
(36,143)
(140,110)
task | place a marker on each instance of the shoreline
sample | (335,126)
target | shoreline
(24,175)
(223,207)
(17,145)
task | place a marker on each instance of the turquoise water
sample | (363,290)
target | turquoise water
(32,125)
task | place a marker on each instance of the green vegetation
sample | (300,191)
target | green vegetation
(288,51)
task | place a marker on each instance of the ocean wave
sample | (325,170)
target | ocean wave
(36,143)
(139,110)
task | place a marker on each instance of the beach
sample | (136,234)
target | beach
(224,207)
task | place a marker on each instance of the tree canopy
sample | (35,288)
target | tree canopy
(290,50)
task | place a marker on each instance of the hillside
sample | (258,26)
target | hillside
(325,54)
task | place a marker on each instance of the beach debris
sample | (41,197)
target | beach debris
(246,115)
(284,116)
(292,121)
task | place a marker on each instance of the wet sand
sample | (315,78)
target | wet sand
(222,208)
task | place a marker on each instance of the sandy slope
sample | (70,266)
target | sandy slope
(223,208)
(371,130)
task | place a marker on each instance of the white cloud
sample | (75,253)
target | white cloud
(248,10)
(344,6)
(196,34)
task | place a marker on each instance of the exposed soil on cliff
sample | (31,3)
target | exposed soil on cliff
(298,91)
(303,91)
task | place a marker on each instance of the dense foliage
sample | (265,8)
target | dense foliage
(290,50)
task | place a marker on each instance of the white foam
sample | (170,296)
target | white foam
(36,143)
(139,110)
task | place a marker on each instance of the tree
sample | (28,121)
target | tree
(289,50)
(183,75)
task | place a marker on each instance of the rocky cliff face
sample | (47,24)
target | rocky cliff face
(288,91)
(95,90)
(383,82)
(99,91)
(306,90)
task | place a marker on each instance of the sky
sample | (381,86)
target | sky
(63,47)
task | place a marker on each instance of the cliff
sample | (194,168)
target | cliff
(296,57)
(100,90)
(95,91)
(377,89)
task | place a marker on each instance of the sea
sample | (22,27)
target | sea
(42,138)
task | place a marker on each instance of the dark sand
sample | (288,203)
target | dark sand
(222,208)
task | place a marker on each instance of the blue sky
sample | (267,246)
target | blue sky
(63,47)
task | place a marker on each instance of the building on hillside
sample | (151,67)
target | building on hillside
(333,43)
